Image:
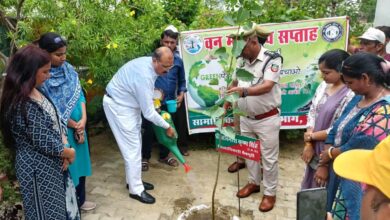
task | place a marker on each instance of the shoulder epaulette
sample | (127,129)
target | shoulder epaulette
(273,55)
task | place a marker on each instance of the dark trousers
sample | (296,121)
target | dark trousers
(148,138)
(179,120)
(80,191)
(181,127)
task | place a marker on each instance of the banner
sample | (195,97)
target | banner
(241,146)
(300,43)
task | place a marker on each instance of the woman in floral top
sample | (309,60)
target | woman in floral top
(364,122)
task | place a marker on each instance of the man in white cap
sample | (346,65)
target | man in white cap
(260,99)
(129,93)
(386,30)
(373,41)
(173,86)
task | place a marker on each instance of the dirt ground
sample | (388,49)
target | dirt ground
(176,192)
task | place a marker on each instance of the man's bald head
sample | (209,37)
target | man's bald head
(160,52)
(162,60)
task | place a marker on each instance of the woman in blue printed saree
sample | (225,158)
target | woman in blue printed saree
(65,91)
(363,124)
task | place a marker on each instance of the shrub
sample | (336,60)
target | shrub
(10,199)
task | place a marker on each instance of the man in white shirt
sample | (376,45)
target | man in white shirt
(129,93)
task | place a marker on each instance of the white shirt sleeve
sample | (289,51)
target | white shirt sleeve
(144,95)
(272,70)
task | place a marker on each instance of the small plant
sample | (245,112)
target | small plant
(242,19)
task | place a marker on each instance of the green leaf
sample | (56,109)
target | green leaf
(237,111)
(224,56)
(229,20)
(248,25)
(221,52)
(255,10)
(256,13)
(220,102)
(242,15)
(238,45)
(244,75)
(291,10)
(229,132)
(233,97)
(218,123)
(214,112)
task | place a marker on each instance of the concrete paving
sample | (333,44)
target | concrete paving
(175,191)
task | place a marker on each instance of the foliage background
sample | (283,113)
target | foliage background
(105,34)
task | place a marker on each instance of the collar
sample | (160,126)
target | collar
(260,56)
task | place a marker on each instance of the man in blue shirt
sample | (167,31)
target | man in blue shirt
(173,85)
(128,94)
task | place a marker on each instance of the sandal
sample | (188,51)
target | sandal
(145,165)
(184,152)
(169,161)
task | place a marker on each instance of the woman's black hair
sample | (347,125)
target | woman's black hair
(333,59)
(372,65)
(18,84)
(51,42)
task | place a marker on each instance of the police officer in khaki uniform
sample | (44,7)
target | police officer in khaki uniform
(260,99)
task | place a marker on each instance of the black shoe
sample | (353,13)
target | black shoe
(144,197)
(147,186)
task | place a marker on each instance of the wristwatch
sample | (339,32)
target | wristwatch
(244,92)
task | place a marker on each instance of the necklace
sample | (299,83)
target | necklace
(361,105)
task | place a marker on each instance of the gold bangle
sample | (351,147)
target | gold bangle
(330,152)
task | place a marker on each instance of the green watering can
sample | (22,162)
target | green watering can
(170,143)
